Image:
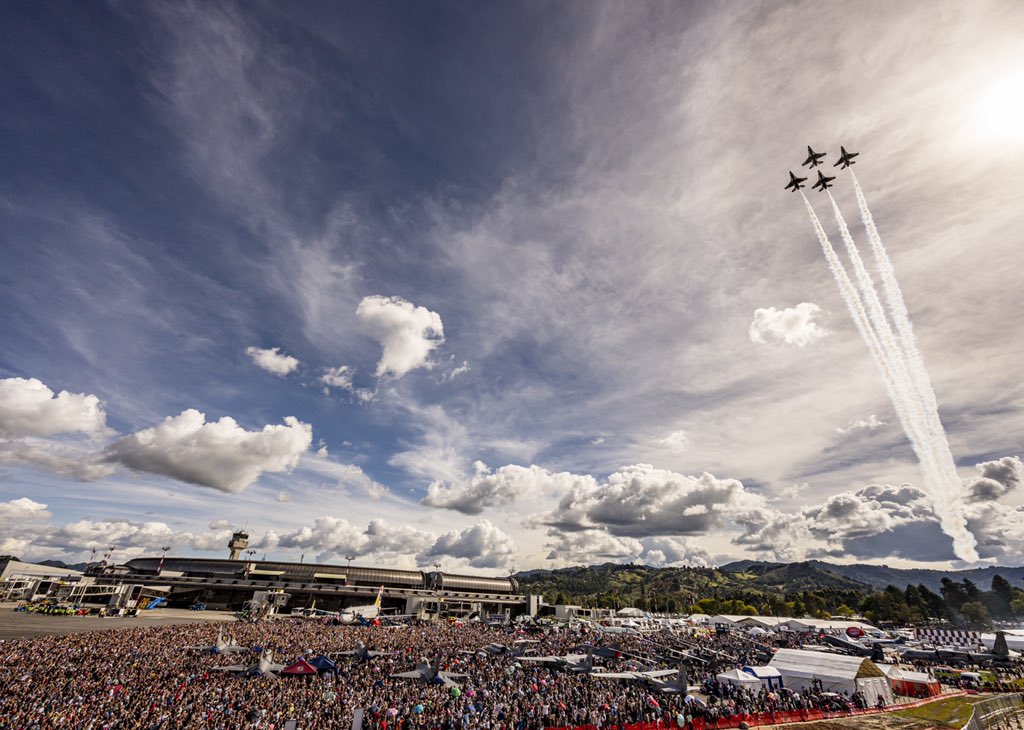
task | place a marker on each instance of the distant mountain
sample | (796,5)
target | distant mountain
(877,576)
(61,564)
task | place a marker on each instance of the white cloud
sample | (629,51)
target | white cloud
(18,511)
(272,360)
(998,478)
(482,546)
(283,496)
(339,377)
(870,423)
(60,458)
(333,538)
(677,440)
(29,408)
(508,484)
(791,326)
(460,370)
(219,454)
(408,333)
(589,546)
(642,501)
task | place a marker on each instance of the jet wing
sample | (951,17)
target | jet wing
(233,668)
(414,674)
(655,673)
(617,675)
(542,659)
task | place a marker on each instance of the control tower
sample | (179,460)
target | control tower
(239,542)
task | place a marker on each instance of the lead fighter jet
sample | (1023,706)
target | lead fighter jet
(794,182)
(813,158)
(823,182)
(845,158)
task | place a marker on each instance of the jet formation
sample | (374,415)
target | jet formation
(813,160)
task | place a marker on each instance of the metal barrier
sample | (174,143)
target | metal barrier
(998,713)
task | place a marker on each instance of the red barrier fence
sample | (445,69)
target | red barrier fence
(761,719)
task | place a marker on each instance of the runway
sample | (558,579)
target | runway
(14,625)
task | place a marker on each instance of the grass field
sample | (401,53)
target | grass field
(952,712)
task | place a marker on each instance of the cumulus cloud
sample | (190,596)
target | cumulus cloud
(642,501)
(219,454)
(870,423)
(482,546)
(677,440)
(774,534)
(18,511)
(588,546)
(998,478)
(272,360)
(493,489)
(791,326)
(351,475)
(30,408)
(335,537)
(408,333)
(339,377)
(460,370)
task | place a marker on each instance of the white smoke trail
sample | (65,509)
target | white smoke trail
(863,324)
(947,491)
(915,419)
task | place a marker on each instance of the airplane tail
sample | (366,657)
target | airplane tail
(380,595)
(1000,647)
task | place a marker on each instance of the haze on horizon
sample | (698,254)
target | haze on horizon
(499,287)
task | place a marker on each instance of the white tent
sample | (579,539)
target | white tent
(736,676)
(768,676)
(836,672)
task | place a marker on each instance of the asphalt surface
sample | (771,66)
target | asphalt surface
(14,625)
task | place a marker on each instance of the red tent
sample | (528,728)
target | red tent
(300,666)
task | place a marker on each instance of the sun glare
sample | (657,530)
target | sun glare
(1001,108)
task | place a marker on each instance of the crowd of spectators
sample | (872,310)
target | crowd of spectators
(148,678)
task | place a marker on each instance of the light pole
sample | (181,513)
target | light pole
(250,552)
(348,561)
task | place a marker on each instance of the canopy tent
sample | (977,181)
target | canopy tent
(835,672)
(323,664)
(737,677)
(299,667)
(913,684)
(770,677)
(630,612)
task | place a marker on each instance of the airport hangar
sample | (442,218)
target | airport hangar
(230,583)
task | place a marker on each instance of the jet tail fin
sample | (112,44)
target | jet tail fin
(380,595)
(1000,648)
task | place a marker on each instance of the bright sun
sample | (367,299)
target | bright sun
(1001,108)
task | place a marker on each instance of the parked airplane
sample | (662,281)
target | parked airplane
(1000,653)
(265,667)
(845,158)
(221,646)
(431,672)
(361,653)
(794,182)
(355,613)
(823,182)
(813,158)
(574,663)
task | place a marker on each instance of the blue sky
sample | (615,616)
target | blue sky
(502,286)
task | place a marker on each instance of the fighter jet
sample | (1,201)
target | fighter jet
(845,158)
(1000,653)
(361,653)
(573,663)
(823,182)
(794,182)
(813,158)
(846,646)
(221,646)
(431,672)
(265,667)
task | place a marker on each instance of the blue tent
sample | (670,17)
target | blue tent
(323,664)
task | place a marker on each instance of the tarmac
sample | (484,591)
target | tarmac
(16,625)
